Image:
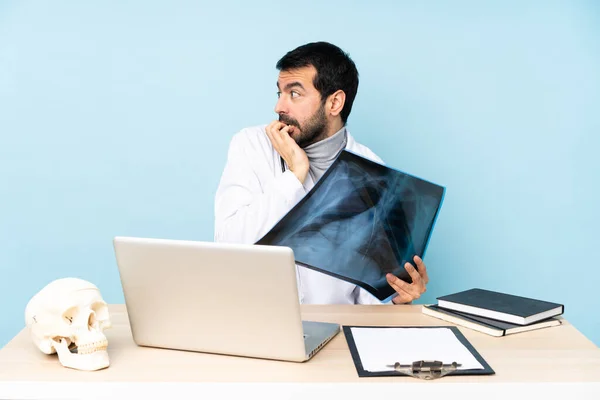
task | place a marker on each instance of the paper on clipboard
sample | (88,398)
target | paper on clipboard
(379,348)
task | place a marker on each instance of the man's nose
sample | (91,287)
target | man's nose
(281,106)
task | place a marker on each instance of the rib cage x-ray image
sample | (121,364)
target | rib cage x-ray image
(360,221)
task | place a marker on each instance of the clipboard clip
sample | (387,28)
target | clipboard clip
(427,370)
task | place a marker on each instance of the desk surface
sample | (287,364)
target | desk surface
(557,354)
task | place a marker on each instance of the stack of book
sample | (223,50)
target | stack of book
(494,313)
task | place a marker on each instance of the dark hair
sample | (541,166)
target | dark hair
(335,70)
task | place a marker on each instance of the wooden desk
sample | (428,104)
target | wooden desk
(552,360)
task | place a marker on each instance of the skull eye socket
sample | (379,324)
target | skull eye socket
(101,310)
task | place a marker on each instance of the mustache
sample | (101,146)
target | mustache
(289,121)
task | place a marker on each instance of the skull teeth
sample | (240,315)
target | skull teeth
(88,348)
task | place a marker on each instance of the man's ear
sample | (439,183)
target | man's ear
(335,103)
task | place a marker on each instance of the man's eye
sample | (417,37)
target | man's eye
(278,94)
(295,94)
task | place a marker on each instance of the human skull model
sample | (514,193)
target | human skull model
(68,317)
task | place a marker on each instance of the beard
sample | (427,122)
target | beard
(312,131)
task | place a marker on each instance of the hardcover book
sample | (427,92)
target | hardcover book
(486,325)
(500,306)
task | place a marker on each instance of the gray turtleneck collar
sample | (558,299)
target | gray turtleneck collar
(323,153)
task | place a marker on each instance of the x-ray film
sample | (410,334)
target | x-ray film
(359,222)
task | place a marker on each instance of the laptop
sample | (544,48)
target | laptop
(220,298)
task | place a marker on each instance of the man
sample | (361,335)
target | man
(270,168)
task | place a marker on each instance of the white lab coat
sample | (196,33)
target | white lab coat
(254,194)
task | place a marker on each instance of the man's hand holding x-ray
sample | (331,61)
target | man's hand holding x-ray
(408,292)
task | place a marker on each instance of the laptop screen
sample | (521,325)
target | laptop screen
(359,222)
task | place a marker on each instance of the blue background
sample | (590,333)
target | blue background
(115,119)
